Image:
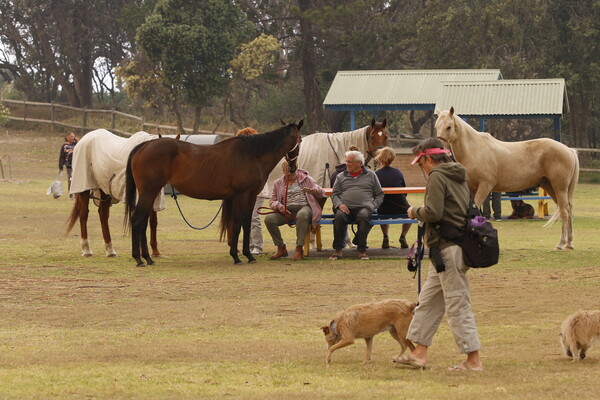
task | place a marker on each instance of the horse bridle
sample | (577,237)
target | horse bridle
(287,155)
(443,139)
(370,148)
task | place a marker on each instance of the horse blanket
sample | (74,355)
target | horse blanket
(99,162)
(320,152)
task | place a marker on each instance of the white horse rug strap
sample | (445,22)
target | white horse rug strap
(99,161)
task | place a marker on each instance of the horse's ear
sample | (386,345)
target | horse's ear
(384,123)
(300,124)
(282,121)
(451,110)
(373,122)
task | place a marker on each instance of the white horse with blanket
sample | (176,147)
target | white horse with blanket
(321,152)
(494,165)
(99,161)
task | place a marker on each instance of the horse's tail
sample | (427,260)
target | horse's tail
(226,220)
(130,190)
(75,213)
(571,190)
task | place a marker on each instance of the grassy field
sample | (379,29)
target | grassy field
(196,326)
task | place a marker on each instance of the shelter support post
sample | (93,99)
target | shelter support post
(543,204)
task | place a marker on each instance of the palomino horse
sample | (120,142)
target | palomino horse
(493,165)
(234,170)
(99,161)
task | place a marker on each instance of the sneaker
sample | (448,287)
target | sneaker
(403,243)
(255,252)
(498,219)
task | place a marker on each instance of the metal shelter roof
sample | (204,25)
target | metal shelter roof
(510,98)
(396,89)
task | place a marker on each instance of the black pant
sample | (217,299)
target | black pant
(361,217)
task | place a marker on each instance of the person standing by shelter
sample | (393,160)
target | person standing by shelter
(392,203)
(65,158)
(446,289)
(496,200)
(256,239)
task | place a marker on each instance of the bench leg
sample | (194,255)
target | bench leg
(307,243)
(318,238)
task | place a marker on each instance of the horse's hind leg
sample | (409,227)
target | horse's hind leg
(84,210)
(104,214)
(153,240)
(247,226)
(139,242)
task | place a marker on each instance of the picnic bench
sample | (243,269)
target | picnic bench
(376,218)
(541,196)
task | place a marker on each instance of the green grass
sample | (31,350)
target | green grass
(196,326)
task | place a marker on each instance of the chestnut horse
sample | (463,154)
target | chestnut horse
(99,161)
(234,170)
(494,165)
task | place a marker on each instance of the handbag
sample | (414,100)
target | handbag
(56,187)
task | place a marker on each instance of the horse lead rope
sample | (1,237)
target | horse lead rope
(174,196)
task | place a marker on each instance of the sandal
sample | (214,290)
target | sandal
(409,362)
(464,366)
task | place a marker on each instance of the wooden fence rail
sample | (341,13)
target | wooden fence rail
(21,110)
(82,119)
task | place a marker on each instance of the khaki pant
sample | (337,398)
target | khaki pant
(303,219)
(446,292)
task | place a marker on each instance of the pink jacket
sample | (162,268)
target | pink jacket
(305,181)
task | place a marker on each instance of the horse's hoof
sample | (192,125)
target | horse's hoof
(558,248)
(253,261)
(150,262)
(111,255)
(87,254)
(236,262)
(141,265)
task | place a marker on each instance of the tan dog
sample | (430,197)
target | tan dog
(578,332)
(366,321)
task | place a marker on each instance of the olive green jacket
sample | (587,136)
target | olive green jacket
(447,200)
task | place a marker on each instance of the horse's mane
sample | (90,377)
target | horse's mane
(265,142)
(464,125)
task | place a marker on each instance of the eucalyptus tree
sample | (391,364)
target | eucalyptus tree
(49,47)
(190,46)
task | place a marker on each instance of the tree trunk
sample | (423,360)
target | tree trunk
(418,123)
(87,74)
(312,96)
(197,113)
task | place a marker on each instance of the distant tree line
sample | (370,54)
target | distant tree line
(255,61)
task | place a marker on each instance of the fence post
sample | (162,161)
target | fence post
(84,121)
(24,111)
(112,119)
(52,116)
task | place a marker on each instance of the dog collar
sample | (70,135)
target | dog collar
(332,326)
(429,152)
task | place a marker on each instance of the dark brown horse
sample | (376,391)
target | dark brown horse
(234,170)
